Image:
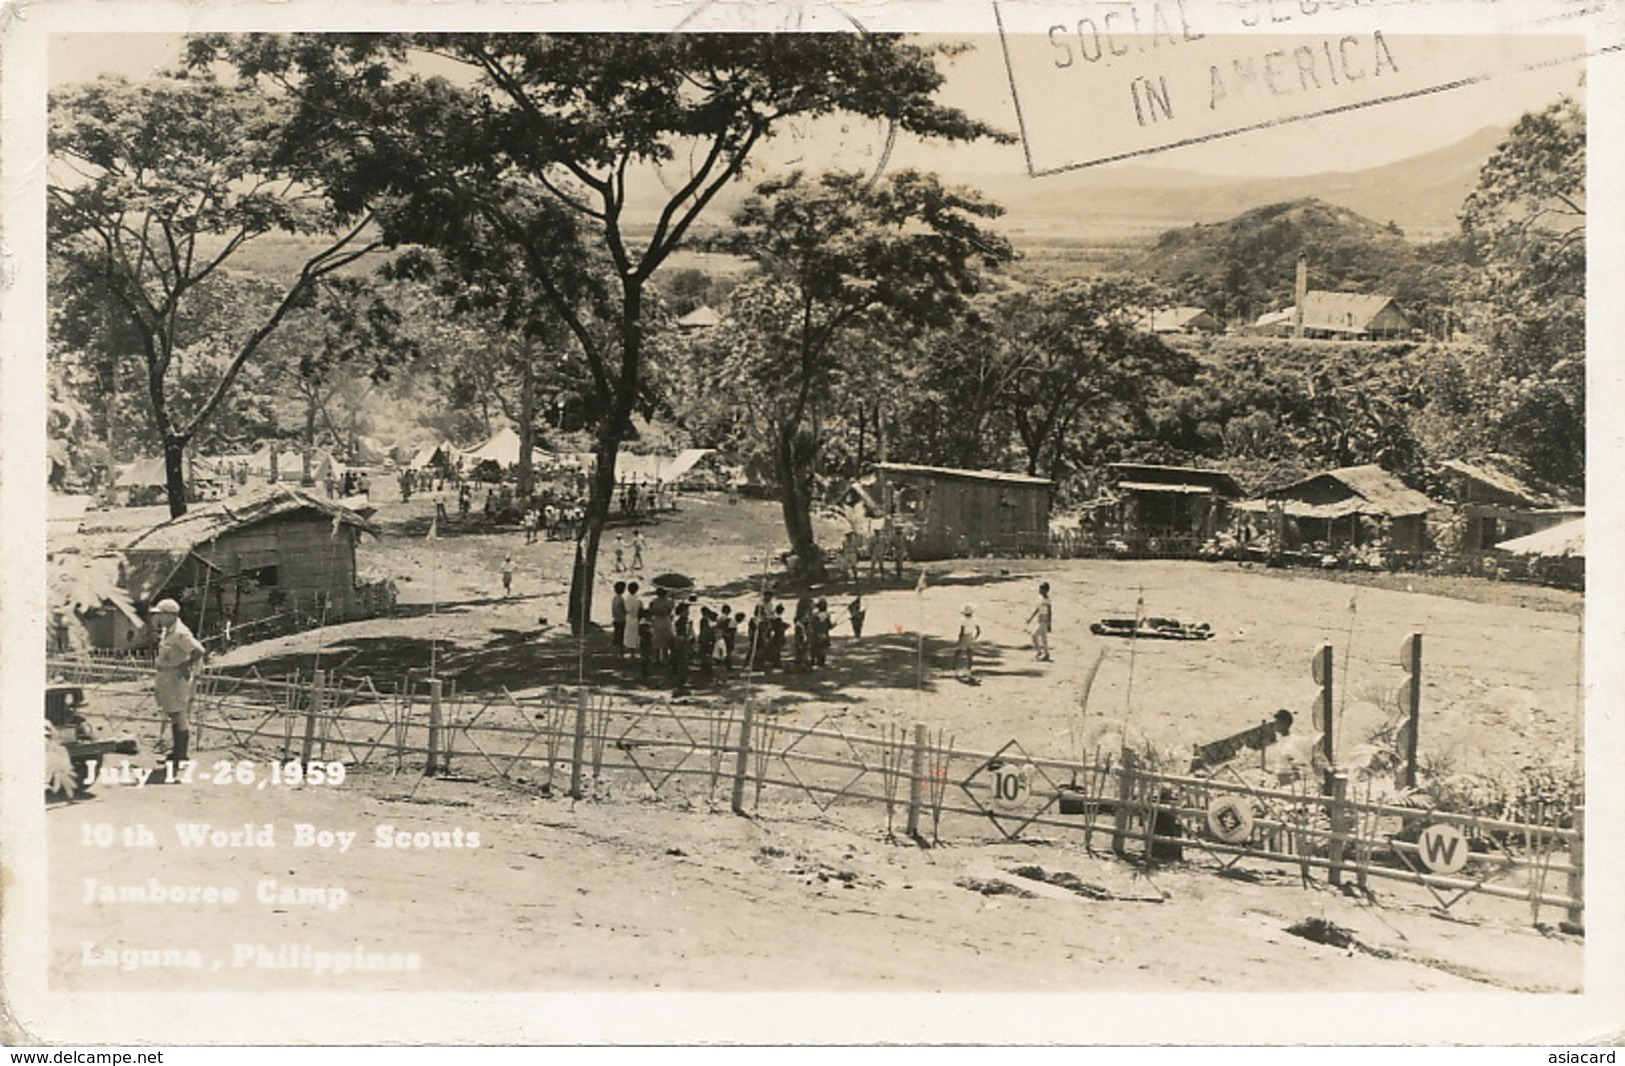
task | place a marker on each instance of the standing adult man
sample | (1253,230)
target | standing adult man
(1042,620)
(179,654)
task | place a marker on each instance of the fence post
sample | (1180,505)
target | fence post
(578,752)
(312,715)
(1337,815)
(916,780)
(436,725)
(1125,793)
(1576,878)
(742,760)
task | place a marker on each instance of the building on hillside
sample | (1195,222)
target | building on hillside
(283,553)
(701,317)
(946,512)
(1336,316)
(1347,510)
(1170,508)
(1180,320)
(1497,503)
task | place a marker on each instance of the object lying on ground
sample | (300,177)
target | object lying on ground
(1222,751)
(1160,628)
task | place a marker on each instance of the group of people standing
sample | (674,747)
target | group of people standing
(675,633)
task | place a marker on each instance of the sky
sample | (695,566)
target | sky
(979,82)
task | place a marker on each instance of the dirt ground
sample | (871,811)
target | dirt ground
(627,896)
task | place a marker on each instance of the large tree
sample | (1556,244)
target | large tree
(1525,223)
(1073,355)
(590,119)
(840,257)
(154,188)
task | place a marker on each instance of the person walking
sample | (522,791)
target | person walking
(1042,620)
(969,634)
(507,576)
(620,554)
(637,550)
(179,654)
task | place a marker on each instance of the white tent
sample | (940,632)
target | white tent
(425,455)
(651,468)
(1566,539)
(502,449)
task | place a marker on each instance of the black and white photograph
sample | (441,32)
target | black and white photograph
(992,523)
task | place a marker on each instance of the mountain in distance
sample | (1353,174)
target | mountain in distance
(1421,194)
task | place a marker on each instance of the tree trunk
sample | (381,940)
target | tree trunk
(794,452)
(175,473)
(617,421)
(527,427)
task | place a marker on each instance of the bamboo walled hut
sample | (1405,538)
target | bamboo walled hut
(284,553)
(949,512)
(1177,507)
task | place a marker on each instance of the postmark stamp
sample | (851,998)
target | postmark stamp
(1096,82)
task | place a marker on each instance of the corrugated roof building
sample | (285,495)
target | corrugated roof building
(950,512)
(1338,316)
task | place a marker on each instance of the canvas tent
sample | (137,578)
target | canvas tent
(1566,540)
(502,449)
(433,455)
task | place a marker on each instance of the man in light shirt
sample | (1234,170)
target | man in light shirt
(179,654)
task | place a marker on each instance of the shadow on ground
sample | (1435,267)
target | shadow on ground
(517,659)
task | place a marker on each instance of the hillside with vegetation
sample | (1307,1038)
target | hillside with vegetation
(1246,266)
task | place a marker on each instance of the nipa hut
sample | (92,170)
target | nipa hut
(283,552)
(952,512)
(1348,508)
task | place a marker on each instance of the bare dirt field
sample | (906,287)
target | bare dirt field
(630,896)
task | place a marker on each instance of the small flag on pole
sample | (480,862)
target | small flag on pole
(434,528)
(919,586)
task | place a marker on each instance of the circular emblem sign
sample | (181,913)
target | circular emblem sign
(1230,819)
(1011,787)
(1442,848)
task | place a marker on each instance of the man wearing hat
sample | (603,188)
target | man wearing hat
(179,654)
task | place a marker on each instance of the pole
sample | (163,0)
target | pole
(578,752)
(1337,815)
(916,780)
(1328,741)
(1125,794)
(742,759)
(435,726)
(1576,875)
(1413,690)
(311,716)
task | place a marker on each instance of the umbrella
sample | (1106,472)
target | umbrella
(672,581)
